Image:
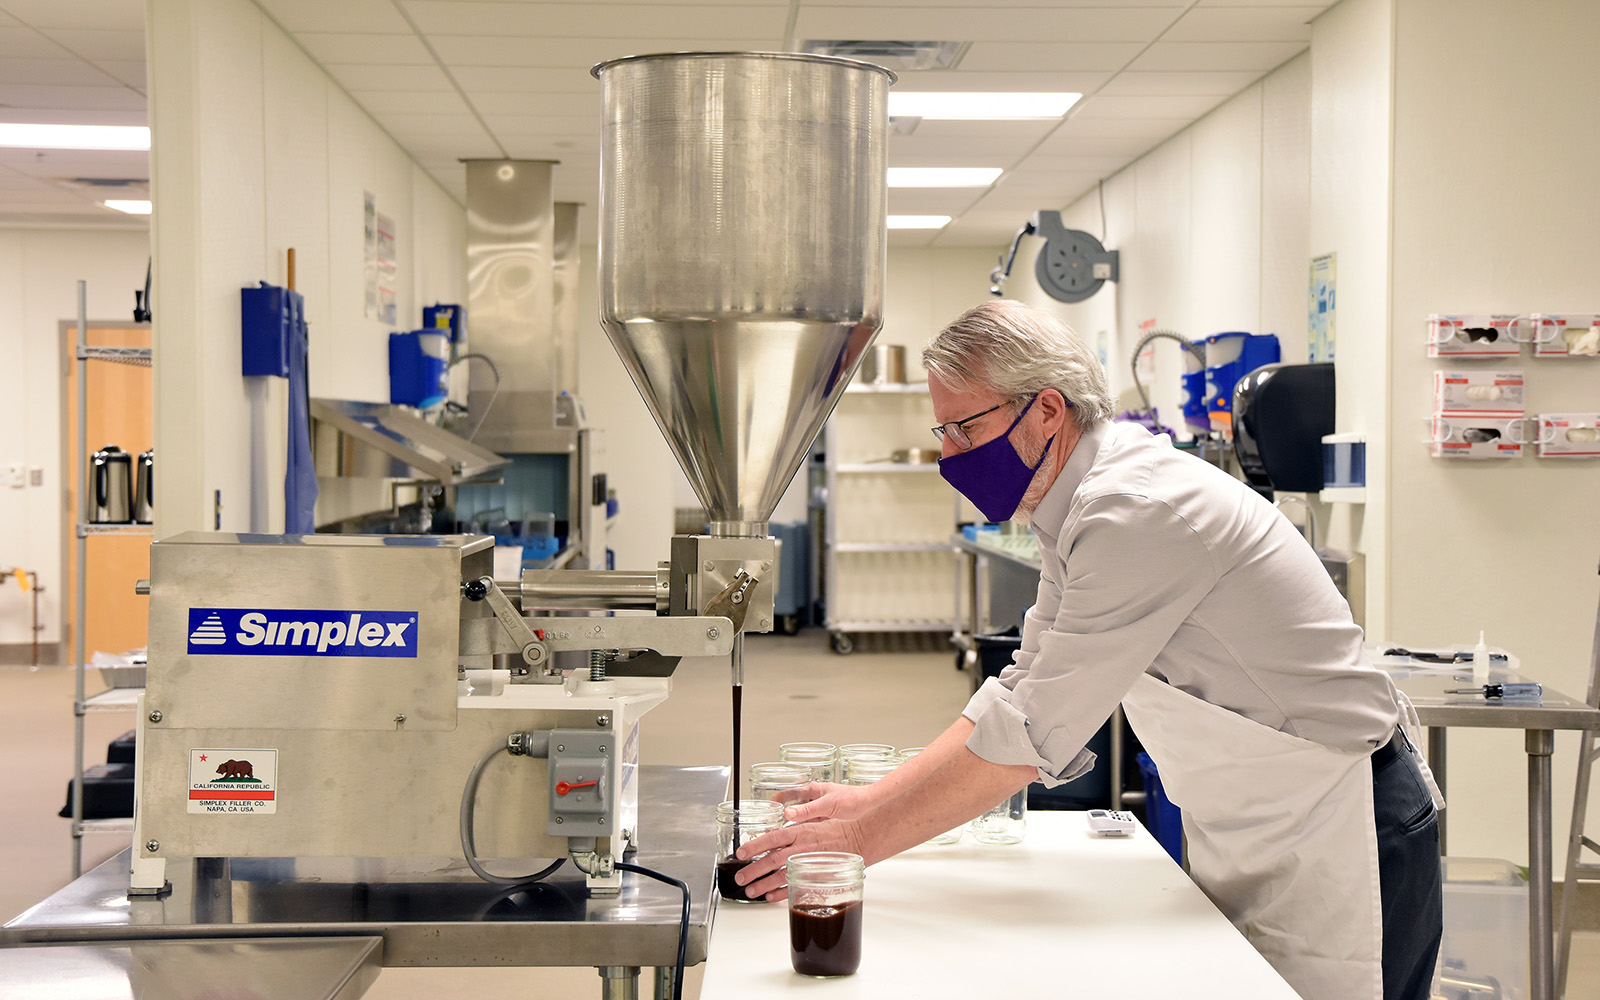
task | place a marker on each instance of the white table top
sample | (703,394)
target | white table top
(1112,918)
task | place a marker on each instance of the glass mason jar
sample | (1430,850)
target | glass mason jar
(868,770)
(769,778)
(949,836)
(819,757)
(753,818)
(1005,823)
(825,892)
(857,751)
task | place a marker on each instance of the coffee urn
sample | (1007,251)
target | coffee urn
(110,486)
(144,488)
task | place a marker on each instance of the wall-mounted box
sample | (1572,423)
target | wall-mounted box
(1472,336)
(269,316)
(419,368)
(1569,435)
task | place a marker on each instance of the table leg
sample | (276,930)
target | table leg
(1436,764)
(1540,743)
(619,982)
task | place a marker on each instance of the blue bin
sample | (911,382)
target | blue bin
(1161,817)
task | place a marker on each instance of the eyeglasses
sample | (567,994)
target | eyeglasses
(956,430)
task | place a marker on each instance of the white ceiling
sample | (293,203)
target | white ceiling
(483,78)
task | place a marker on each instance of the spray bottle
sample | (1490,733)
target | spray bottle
(1480,661)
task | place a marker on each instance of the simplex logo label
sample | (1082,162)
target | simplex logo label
(301,632)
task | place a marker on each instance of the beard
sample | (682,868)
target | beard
(1043,479)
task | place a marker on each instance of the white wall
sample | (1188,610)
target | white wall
(257,150)
(39,273)
(1508,547)
(1211,231)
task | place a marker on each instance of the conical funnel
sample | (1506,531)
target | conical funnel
(742,237)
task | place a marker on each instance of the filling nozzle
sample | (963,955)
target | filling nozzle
(738,660)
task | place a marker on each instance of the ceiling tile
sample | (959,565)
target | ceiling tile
(939,151)
(1023,82)
(931,201)
(403,124)
(422,102)
(985,23)
(525,80)
(354,16)
(585,103)
(77,116)
(97,44)
(53,72)
(17,42)
(911,237)
(390,51)
(1318,4)
(1244,24)
(1160,84)
(127,71)
(438,18)
(55,163)
(354,77)
(452,146)
(482,50)
(1076,56)
(1260,56)
(1099,166)
(125,15)
(535,125)
(1146,107)
(117,97)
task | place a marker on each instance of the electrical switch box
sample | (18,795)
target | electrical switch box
(581,788)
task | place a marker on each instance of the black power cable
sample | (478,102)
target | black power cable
(469,797)
(683,925)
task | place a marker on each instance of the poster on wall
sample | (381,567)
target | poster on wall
(388,270)
(369,267)
(1322,308)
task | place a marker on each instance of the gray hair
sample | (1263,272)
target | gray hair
(1017,351)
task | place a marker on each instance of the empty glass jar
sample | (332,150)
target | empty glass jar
(769,778)
(825,893)
(869,770)
(1005,823)
(851,752)
(819,757)
(735,827)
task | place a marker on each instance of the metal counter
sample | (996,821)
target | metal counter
(428,912)
(1538,718)
(340,968)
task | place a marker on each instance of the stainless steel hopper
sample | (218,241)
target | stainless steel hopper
(742,240)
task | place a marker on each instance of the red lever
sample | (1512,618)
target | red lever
(563,787)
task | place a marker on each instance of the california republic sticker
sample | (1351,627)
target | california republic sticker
(233,781)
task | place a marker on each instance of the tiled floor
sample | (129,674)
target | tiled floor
(795,689)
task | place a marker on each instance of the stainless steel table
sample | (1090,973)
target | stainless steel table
(428,912)
(1539,718)
(336,968)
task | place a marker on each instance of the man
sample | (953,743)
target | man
(1174,589)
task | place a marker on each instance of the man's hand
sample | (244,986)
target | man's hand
(764,876)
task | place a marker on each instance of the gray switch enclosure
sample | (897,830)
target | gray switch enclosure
(577,757)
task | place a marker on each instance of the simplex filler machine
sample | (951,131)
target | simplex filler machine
(333,696)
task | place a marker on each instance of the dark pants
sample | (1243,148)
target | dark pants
(1409,875)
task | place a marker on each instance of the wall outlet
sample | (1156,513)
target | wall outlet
(35,476)
(16,477)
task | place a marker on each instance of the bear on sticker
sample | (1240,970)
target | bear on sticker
(236,769)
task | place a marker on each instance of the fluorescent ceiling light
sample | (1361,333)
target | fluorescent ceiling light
(978,106)
(942,177)
(26,136)
(130,206)
(918,221)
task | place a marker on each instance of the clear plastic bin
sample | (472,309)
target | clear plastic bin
(1484,955)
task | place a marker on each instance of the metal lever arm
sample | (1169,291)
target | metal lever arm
(734,600)
(534,652)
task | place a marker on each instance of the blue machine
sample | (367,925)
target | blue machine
(446,317)
(1208,394)
(419,368)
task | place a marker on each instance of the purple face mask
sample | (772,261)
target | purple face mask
(992,475)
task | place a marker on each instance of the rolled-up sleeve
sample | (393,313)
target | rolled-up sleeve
(1133,572)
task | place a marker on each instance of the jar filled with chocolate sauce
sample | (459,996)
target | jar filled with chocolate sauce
(825,892)
(736,826)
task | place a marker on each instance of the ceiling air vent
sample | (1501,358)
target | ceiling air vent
(895,55)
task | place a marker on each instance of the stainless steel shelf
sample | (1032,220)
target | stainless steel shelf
(843,547)
(113,700)
(85,529)
(888,467)
(893,625)
(888,389)
(137,356)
